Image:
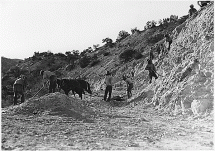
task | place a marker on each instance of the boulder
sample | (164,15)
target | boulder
(200,106)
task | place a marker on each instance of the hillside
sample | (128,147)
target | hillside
(8,63)
(192,40)
(175,111)
(188,44)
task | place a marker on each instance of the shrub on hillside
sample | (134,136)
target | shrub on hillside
(61,55)
(106,53)
(46,54)
(96,47)
(155,38)
(126,55)
(50,61)
(122,35)
(137,55)
(135,30)
(108,41)
(183,19)
(150,24)
(84,61)
(55,67)
(173,18)
(94,62)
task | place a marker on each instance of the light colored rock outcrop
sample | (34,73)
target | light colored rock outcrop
(200,106)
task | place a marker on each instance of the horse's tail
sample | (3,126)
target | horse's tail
(88,88)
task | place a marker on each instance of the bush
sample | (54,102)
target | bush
(106,53)
(122,35)
(93,63)
(183,19)
(135,30)
(150,24)
(55,67)
(155,39)
(137,55)
(61,55)
(84,61)
(109,42)
(126,55)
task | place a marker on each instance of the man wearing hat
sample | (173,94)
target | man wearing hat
(109,85)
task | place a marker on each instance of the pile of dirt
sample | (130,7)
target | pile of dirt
(54,104)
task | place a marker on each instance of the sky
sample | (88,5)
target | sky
(28,26)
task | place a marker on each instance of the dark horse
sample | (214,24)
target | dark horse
(85,85)
(70,84)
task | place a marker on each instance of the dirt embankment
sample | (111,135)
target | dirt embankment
(56,121)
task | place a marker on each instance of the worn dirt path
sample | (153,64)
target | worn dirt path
(131,127)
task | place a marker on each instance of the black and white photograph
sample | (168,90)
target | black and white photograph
(107,75)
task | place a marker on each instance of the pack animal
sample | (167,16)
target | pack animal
(70,85)
(84,85)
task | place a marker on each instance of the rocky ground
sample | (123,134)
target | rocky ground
(92,124)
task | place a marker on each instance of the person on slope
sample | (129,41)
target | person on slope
(109,85)
(152,71)
(151,55)
(169,40)
(129,85)
(51,77)
(192,10)
(19,88)
(132,72)
(203,3)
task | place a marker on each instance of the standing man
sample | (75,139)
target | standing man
(129,85)
(152,72)
(169,40)
(19,88)
(48,75)
(109,85)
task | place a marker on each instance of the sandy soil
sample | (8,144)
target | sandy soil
(131,127)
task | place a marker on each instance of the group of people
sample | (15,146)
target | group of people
(160,47)
(110,82)
(48,76)
(192,10)
(150,66)
(20,84)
